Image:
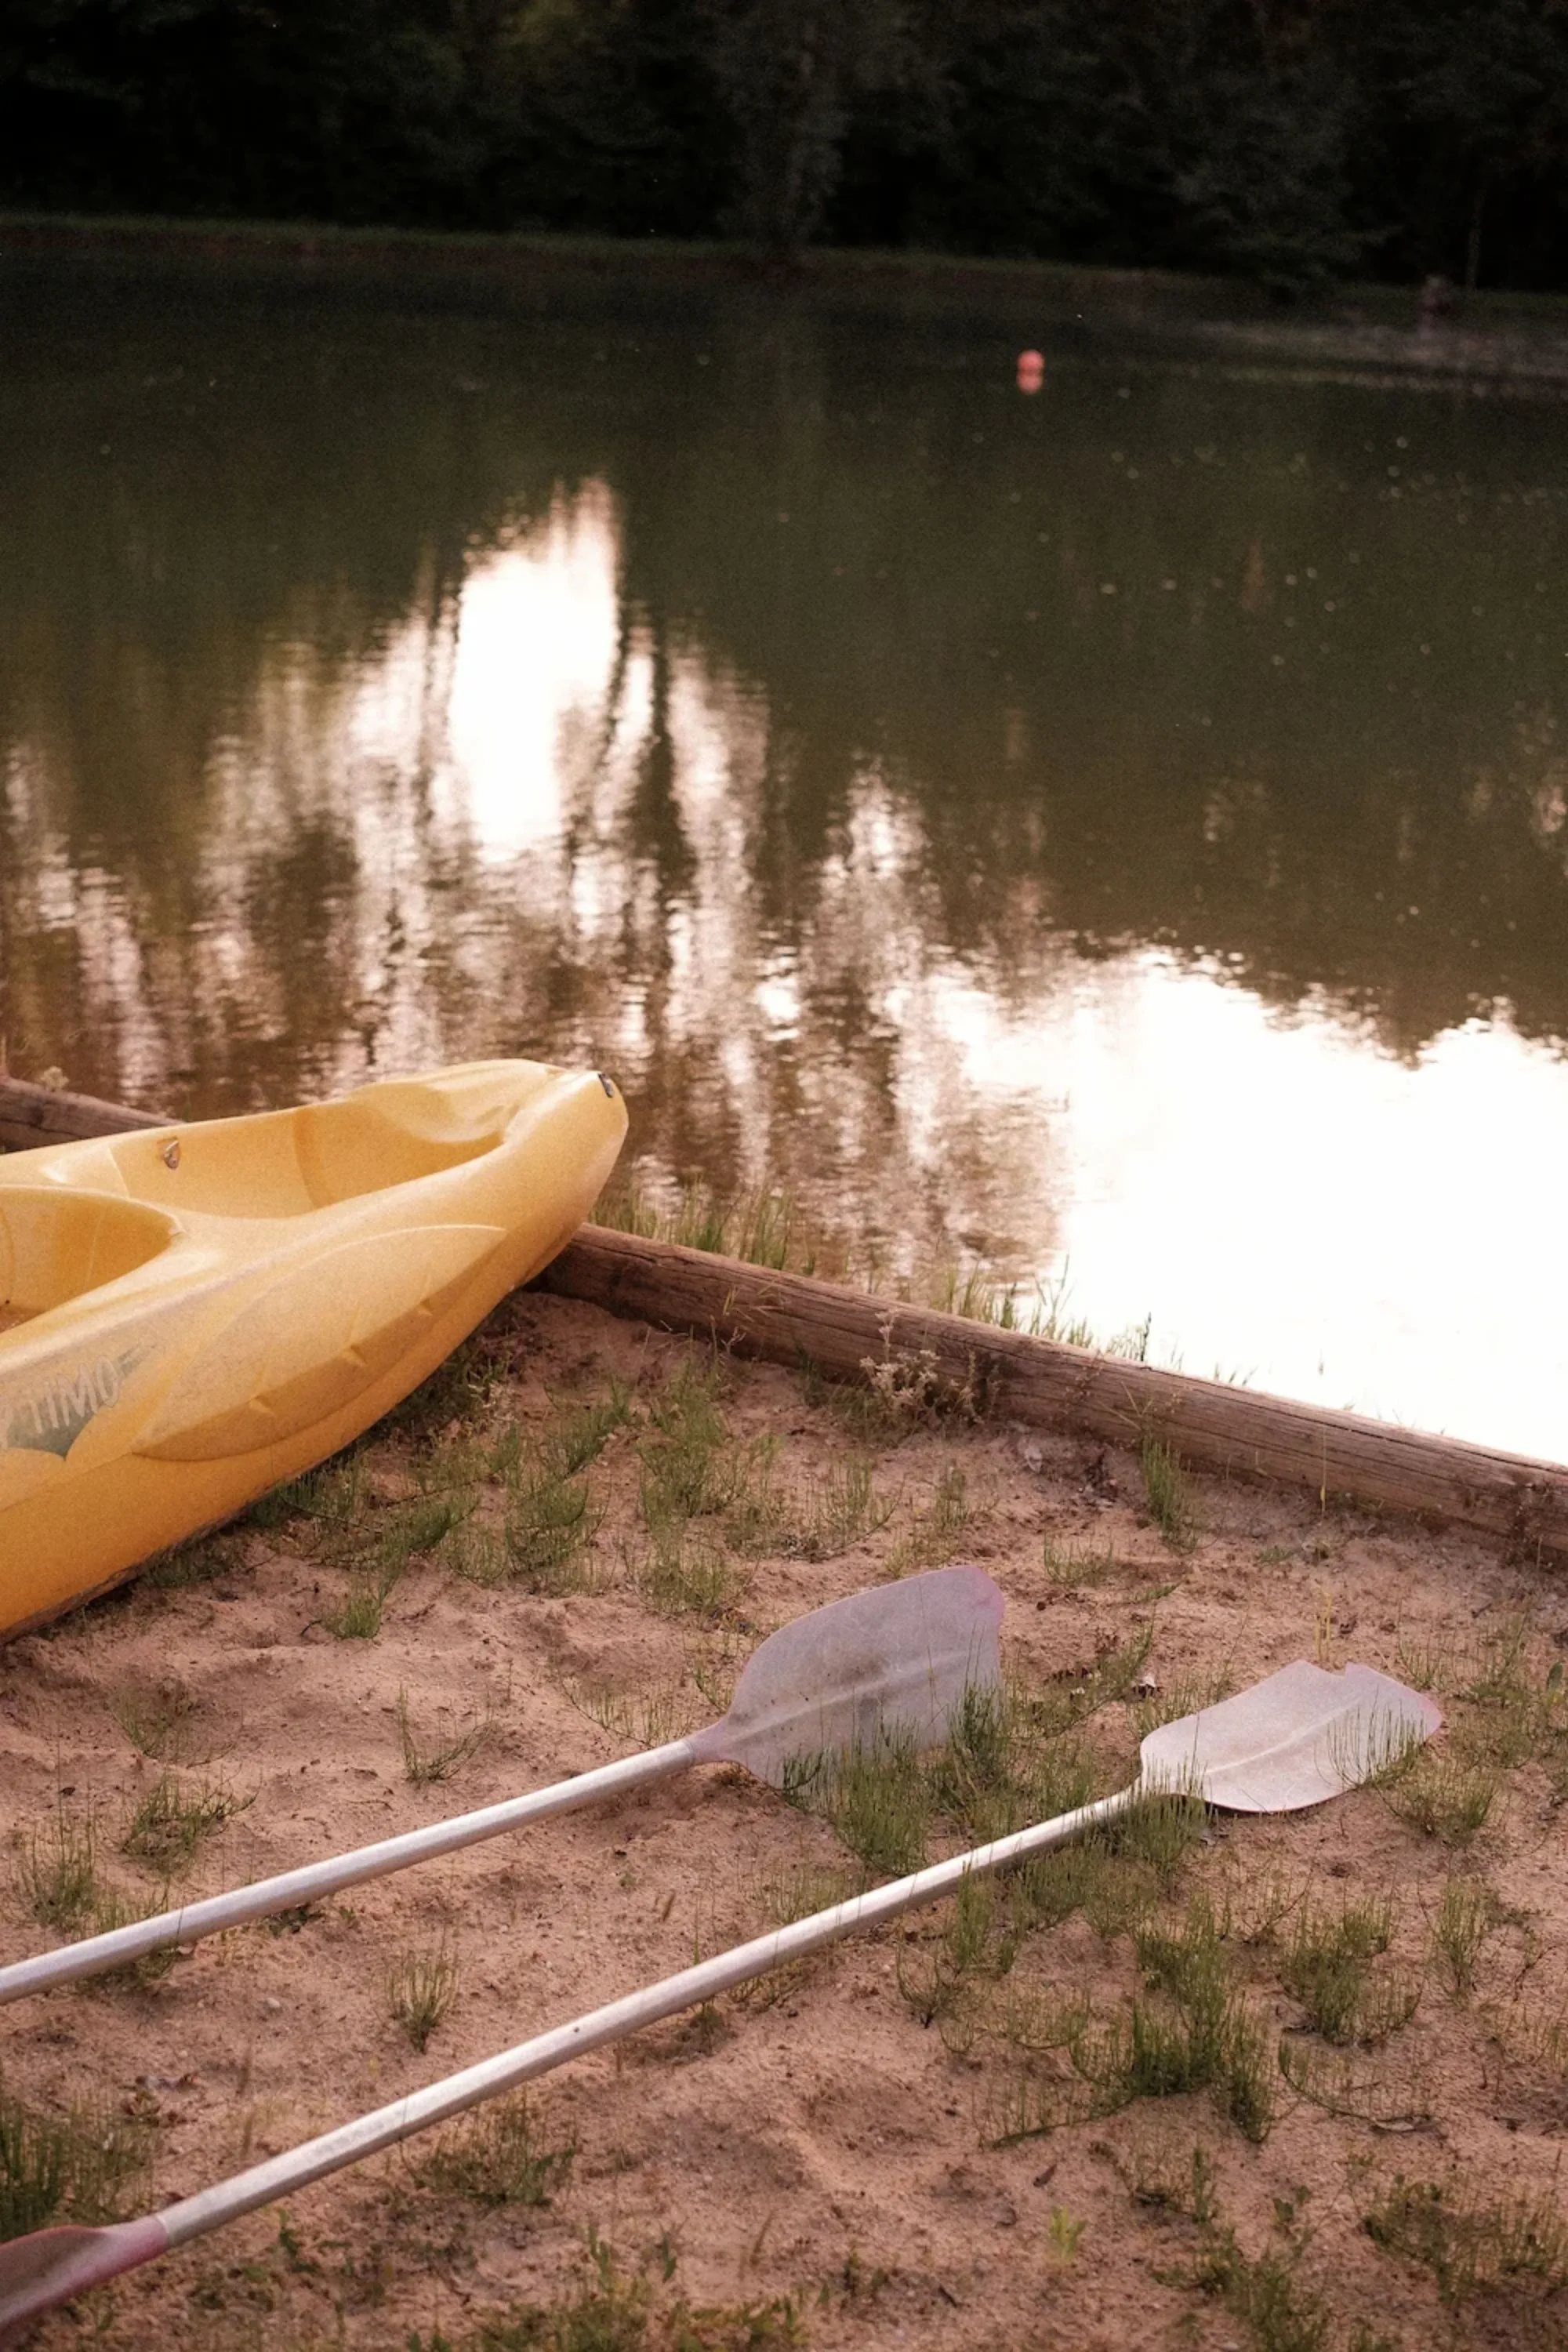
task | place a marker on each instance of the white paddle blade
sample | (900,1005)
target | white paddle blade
(893,1662)
(1299,1738)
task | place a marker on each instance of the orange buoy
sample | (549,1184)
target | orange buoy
(1031,371)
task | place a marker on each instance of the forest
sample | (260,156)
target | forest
(1290,142)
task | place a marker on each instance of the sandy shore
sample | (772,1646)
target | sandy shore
(920,2138)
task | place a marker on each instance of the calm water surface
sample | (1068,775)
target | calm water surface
(1122,835)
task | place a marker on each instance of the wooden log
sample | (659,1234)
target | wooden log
(31,1116)
(791,1318)
(788,1318)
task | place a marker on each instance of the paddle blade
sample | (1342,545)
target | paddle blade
(52,2266)
(893,1662)
(1299,1738)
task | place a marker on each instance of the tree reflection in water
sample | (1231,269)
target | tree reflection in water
(1129,824)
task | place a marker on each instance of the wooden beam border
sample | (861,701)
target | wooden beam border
(792,1318)
(849,1335)
(31,1117)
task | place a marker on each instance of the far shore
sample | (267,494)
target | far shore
(1502,338)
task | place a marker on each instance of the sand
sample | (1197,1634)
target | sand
(820,2161)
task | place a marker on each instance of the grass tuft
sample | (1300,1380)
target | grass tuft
(461,1389)
(1160,1831)
(358,1616)
(1465,1917)
(1388,2097)
(784,1895)
(421,1987)
(497,2159)
(58,1881)
(939,1527)
(687,1572)
(633,1718)
(1187,1695)
(159,1723)
(877,1803)
(1439,1791)
(1264,2293)
(329,1500)
(580,1436)
(612,2310)
(201,1561)
(761,1227)
(425,1761)
(1069,1699)
(1041,1311)
(1075,1570)
(403,1534)
(478,1555)
(1421,1659)
(840,1510)
(1168,1494)
(1329,1966)
(975,1778)
(71,2167)
(687,1478)
(936,1976)
(549,1524)
(1189,2030)
(56,1872)
(1472,2244)
(1518,1706)
(170,1821)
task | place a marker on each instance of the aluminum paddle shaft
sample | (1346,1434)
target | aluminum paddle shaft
(892,1662)
(51,2267)
(313,1881)
(1292,1741)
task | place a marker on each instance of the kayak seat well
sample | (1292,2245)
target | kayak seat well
(56,1244)
(294,1162)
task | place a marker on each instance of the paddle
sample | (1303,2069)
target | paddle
(894,1661)
(1294,1740)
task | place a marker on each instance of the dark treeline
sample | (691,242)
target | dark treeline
(1291,140)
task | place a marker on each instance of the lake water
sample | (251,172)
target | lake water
(1120,834)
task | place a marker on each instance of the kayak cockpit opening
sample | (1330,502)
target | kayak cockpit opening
(56,1244)
(290,1163)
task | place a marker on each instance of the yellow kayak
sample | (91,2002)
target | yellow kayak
(189,1315)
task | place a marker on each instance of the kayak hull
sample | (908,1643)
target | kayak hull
(211,1309)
